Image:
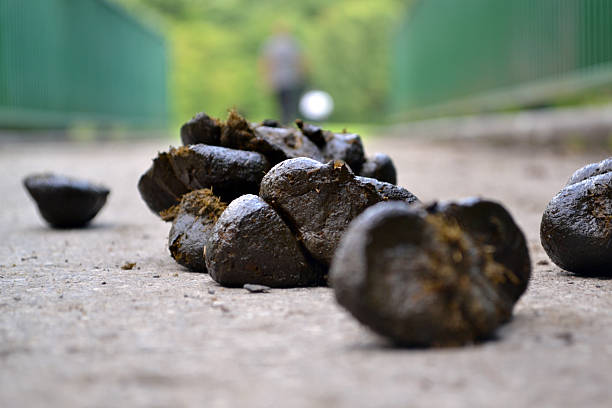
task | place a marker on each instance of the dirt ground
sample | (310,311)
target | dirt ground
(76,330)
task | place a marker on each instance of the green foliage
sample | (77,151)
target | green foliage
(214,47)
(351,59)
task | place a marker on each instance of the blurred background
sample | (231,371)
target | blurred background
(112,65)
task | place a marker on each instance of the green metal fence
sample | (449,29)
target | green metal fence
(456,56)
(63,61)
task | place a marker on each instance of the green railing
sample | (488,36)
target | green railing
(67,61)
(458,56)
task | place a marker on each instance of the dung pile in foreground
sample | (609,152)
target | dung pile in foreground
(224,160)
(268,205)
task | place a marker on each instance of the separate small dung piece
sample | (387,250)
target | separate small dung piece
(317,201)
(229,173)
(250,243)
(380,167)
(444,275)
(193,220)
(576,227)
(66,202)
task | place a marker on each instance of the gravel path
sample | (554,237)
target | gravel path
(76,330)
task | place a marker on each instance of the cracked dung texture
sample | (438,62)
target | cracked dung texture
(192,223)
(201,129)
(380,167)
(576,227)
(228,172)
(317,201)
(427,276)
(66,202)
(251,244)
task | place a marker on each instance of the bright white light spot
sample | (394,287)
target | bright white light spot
(316,105)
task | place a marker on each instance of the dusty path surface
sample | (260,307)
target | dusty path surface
(76,330)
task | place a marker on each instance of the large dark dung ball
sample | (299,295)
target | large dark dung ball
(447,274)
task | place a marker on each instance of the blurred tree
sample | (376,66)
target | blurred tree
(214,46)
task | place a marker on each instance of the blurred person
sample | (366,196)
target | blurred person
(284,70)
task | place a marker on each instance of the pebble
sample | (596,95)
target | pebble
(253,288)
